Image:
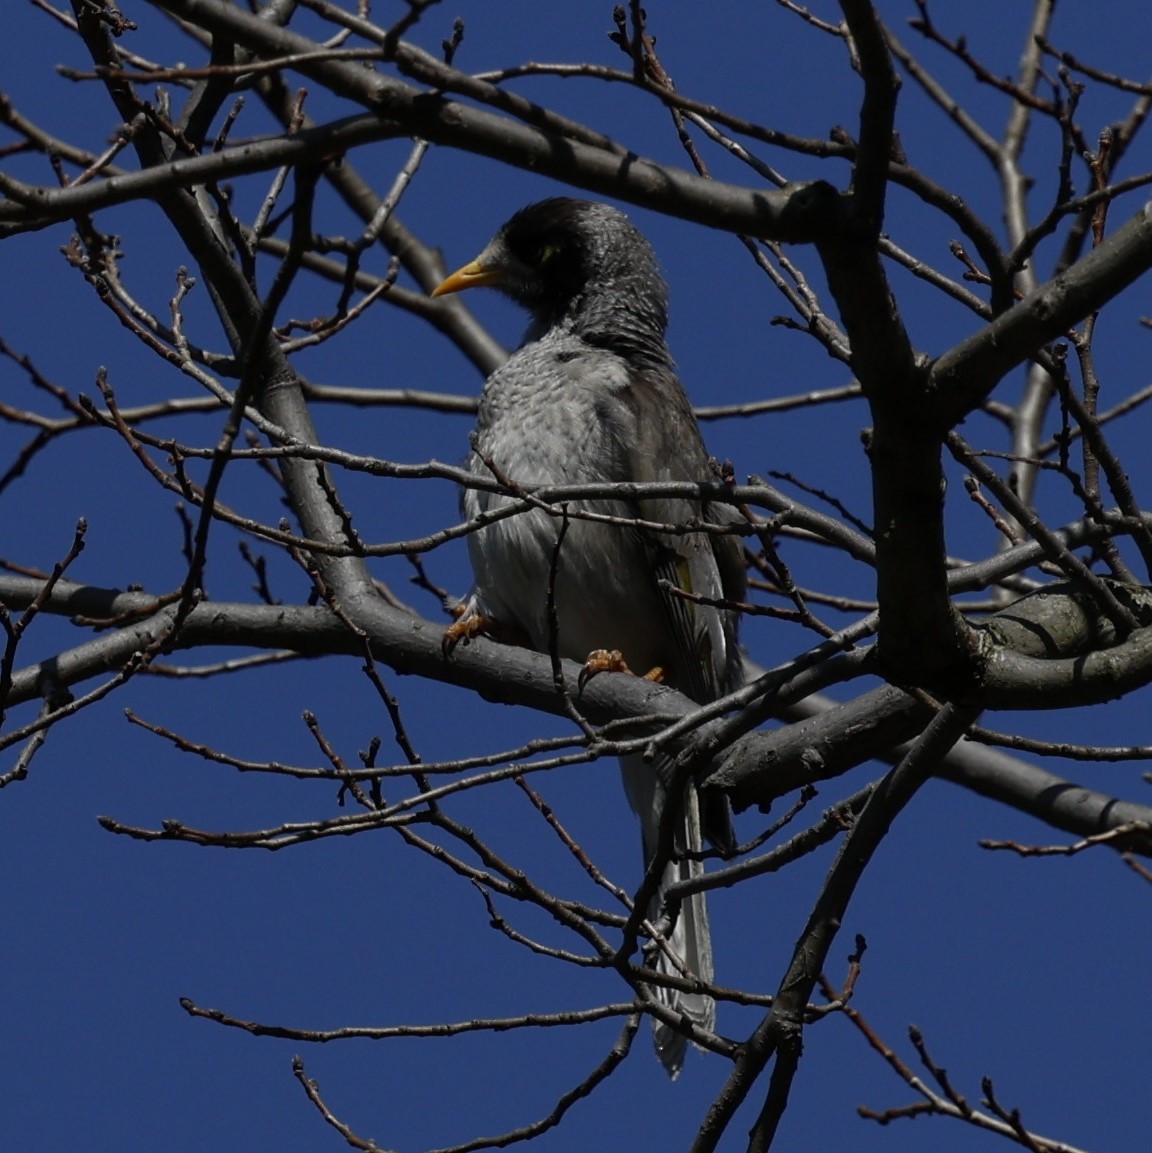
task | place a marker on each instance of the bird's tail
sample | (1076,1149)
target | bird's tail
(687,947)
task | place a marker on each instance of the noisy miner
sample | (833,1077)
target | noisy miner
(592,396)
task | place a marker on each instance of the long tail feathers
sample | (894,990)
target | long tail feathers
(691,943)
(688,945)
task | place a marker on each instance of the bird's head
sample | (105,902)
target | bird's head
(571,260)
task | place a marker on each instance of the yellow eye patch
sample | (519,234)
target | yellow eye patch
(548,252)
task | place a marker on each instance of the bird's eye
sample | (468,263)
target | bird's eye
(544,253)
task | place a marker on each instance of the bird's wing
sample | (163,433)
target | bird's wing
(664,443)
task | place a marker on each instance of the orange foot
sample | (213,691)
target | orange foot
(612,661)
(464,628)
(471,624)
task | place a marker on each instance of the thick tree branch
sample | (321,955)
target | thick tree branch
(964,376)
(877,113)
(923,639)
(789,215)
(822,741)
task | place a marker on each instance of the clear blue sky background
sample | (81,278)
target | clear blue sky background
(1033,972)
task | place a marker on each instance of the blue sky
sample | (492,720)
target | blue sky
(1033,972)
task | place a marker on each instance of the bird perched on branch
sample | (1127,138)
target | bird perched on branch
(592,396)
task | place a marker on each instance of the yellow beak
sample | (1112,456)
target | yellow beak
(472,275)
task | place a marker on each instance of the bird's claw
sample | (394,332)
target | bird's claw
(602,661)
(464,628)
(612,661)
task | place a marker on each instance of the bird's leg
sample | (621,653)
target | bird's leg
(612,661)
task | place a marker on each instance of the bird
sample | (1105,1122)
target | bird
(592,395)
